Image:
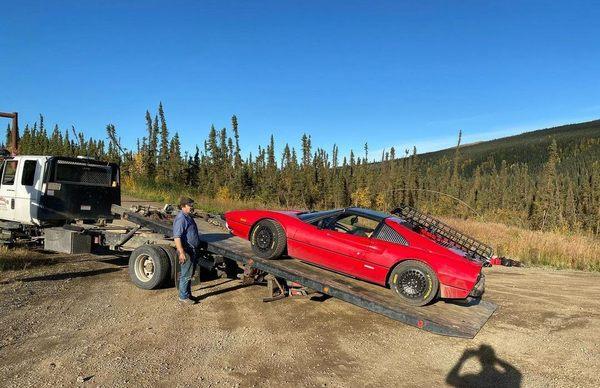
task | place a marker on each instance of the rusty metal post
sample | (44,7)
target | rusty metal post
(13,146)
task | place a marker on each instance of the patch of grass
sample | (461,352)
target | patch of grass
(535,247)
(172,194)
(19,258)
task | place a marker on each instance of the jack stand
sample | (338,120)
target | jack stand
(276,291)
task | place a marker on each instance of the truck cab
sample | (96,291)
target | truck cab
(54,190)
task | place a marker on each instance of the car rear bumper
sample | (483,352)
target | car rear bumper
(479,287)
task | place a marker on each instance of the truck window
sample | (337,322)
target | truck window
(83,173)
(10,172)
(28,172)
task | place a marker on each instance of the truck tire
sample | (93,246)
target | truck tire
(414,282)
(268,239)
(149,266)
(173,264)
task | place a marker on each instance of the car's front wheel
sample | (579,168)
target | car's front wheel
(268,239)
(414,282)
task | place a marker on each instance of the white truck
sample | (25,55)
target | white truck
(37,192)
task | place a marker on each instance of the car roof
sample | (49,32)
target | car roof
(369,213)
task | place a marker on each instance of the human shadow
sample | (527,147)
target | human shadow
(494,372)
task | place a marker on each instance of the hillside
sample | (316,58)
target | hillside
(530,148)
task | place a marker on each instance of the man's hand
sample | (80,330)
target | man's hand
(182,257)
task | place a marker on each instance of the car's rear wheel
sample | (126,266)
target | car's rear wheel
(268,239)
(414,282)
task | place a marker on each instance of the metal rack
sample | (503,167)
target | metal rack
(444,234)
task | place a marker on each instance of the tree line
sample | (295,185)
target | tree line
(562,192)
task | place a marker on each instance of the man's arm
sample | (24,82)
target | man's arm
(180,250)
(178,231)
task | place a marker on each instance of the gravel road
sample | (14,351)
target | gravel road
(82,322)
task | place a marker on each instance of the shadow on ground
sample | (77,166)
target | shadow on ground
(494,372)
(223,290)
(70,275)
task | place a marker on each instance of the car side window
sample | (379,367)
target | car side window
(323,222)
(10,172)
(356,225)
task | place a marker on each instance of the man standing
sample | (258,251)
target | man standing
(185,232)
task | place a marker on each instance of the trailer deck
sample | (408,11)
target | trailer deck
(445,318)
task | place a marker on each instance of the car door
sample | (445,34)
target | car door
(356,252)
(8,183)
(311,244)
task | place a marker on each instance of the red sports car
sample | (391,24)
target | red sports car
(418,257)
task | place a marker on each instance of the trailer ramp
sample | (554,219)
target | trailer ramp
(445,318)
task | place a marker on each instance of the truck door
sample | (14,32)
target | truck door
(27,191)
(7,190)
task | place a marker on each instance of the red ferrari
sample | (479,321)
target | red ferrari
(418,257)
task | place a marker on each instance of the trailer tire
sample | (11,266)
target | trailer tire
(268,239)
(149,266)
(414,282)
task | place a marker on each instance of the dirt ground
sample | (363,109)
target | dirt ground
(82,319)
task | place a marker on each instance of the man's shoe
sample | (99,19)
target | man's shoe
(187,301)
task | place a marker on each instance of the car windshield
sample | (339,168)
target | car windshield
(311,216)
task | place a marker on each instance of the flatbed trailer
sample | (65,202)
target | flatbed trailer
(445,318)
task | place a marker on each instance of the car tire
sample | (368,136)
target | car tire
(149,266)
(414,282)
(268,239)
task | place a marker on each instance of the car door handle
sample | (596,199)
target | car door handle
(375,248)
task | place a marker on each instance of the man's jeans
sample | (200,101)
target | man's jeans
(186,272)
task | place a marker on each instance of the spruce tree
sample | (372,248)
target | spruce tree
(163,154)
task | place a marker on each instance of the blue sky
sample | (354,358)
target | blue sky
(346,72)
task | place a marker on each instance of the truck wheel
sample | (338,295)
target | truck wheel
(414,282)
(148,266)
(173,264)
(268,239)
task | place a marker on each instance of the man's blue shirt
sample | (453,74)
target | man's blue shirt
(185,228)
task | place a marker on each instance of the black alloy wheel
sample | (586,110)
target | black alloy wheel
(414,282)
(268,239)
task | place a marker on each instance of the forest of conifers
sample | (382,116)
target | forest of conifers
(546,180)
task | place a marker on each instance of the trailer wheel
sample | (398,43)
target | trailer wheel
(268,239)
(414,282)
(148,266)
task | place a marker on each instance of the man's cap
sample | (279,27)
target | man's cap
(185,201)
